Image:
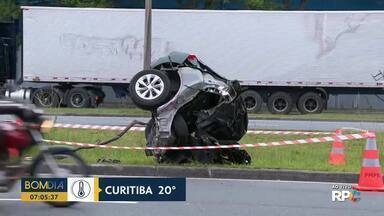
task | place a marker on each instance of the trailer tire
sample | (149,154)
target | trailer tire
(78,98)
(252,100)
(310,102)
(280,103)
(147,96)
(45,98)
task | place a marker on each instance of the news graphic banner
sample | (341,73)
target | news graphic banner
(44,189)
(95,189)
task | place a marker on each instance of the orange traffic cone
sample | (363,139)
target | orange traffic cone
(337,156)
(371,177)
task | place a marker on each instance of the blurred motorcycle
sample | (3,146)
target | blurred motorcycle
(191,105)
(25,134)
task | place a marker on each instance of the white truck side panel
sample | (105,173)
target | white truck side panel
(106,45)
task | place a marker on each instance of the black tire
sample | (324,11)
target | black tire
(45,97)
(78,98)
(252,100)
(280,103)
(310,102)
(82,167)
(143,99)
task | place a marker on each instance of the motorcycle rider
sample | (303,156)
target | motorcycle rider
(26,114)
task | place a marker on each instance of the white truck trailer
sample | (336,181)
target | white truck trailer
(285,59)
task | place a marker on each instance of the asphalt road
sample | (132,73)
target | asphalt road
(253,124)
(218,197)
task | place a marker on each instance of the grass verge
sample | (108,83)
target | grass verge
(312,157)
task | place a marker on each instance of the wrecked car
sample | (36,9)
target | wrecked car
(191,105)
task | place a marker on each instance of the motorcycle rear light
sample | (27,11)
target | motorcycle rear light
(192,57)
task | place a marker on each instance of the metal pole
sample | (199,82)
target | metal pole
(147,34)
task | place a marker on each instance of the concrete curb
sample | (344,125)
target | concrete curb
(226,173)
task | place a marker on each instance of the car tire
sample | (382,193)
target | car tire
(46,98)
(150,89)
(78,98)
(252,100)
(310,102)
(280,103)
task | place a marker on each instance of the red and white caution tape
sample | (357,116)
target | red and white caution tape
(255,145)
(266,132)
(120,128)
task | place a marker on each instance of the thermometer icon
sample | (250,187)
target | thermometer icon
(81,192)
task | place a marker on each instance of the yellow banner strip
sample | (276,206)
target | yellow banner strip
(44,196)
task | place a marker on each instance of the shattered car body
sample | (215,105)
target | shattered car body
(191,105)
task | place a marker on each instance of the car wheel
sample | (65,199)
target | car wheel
(310,102)
(280,103)
(252,100)
(150,89)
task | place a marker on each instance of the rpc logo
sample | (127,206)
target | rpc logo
(341,196)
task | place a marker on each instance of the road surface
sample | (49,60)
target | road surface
(220,198)
(253,123)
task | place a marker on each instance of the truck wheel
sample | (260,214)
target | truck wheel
(78,98)
(46,98)
(310,102)
(149,89)
(280,103)
(252,100)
